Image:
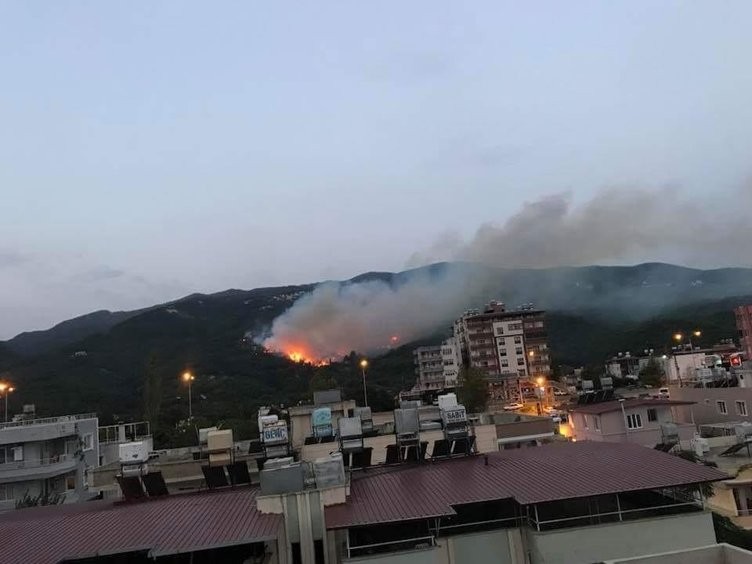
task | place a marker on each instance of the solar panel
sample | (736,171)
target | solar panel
(131,488)
(255,447)
(215,476)
(733,449)
(238,472)
(440,448)
(463,446)
(412,453)
(608,395)
(362,458)
(392,454)
(155,484)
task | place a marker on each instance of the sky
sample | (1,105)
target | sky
(151,150)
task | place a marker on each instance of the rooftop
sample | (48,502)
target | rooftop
(552,472)
(160,526)
(608,406)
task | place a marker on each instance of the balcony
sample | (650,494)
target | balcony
(45,429)
(37,468)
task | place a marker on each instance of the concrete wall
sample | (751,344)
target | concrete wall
(714,554)
(503,546)
(491,547)
(583,545)
(705,409)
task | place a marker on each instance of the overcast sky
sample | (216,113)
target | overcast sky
(153,149)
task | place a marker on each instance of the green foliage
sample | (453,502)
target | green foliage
(652,373)
(473,390)
(726,531)
(48,498)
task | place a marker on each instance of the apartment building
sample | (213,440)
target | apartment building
(47,457)
(437,367)
(505,345)
(565,503)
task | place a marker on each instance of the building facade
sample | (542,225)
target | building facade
(47,457)
(645,422)
(507,346)
(744,327)
(437,367)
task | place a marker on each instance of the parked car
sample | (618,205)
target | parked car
(514,406)
(558,392)
(663,393)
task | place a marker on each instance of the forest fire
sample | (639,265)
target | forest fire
(298,352)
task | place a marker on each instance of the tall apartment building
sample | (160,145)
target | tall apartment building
(436,366)
(744,325)
(506,345)
(46,457)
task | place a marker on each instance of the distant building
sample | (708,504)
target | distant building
(46,457)
(744,326)
(626,365)
(437,367)
(429,368)
(506,345)
(647,422)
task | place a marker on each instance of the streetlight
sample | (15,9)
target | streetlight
(363,366)
(6,390)
(188,378)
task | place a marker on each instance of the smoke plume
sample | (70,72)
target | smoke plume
(372,315)
(617,226)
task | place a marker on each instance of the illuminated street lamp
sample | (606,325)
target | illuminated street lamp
(363,366)
(6,389)
(188,378)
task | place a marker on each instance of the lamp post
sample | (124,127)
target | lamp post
(188,378)
(363,366)
(6,390)
(624,415)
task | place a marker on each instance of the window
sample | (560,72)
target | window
(88,440)
(17,453)
(634,421)
(502,352)
(652,414)
(597,423)
(505,363)
(741,408)
(518,350)
(518,340)
(721,407)
(520,362)
(6,492)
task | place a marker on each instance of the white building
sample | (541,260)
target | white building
(47,457)
(450,356)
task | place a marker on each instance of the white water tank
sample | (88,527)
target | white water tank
(133,453)
(447,401)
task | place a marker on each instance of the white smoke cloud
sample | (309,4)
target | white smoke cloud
(337,318)
(617,226)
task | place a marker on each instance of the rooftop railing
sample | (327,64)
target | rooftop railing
(47,420)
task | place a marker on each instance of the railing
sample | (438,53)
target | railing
(610,516)
(132,431)
(47,420)
(35,463)
(391,546)
(502,523)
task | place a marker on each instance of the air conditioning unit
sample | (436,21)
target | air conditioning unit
(700,446)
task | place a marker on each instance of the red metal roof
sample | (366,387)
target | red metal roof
(161,526)
(531,475)
(608,406)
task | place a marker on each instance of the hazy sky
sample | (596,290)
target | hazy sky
(152,149)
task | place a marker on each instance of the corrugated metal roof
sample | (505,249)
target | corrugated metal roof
(166,525)
(608,406)
(531,475)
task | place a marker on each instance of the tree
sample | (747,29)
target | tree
(473,390)
(652,373)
